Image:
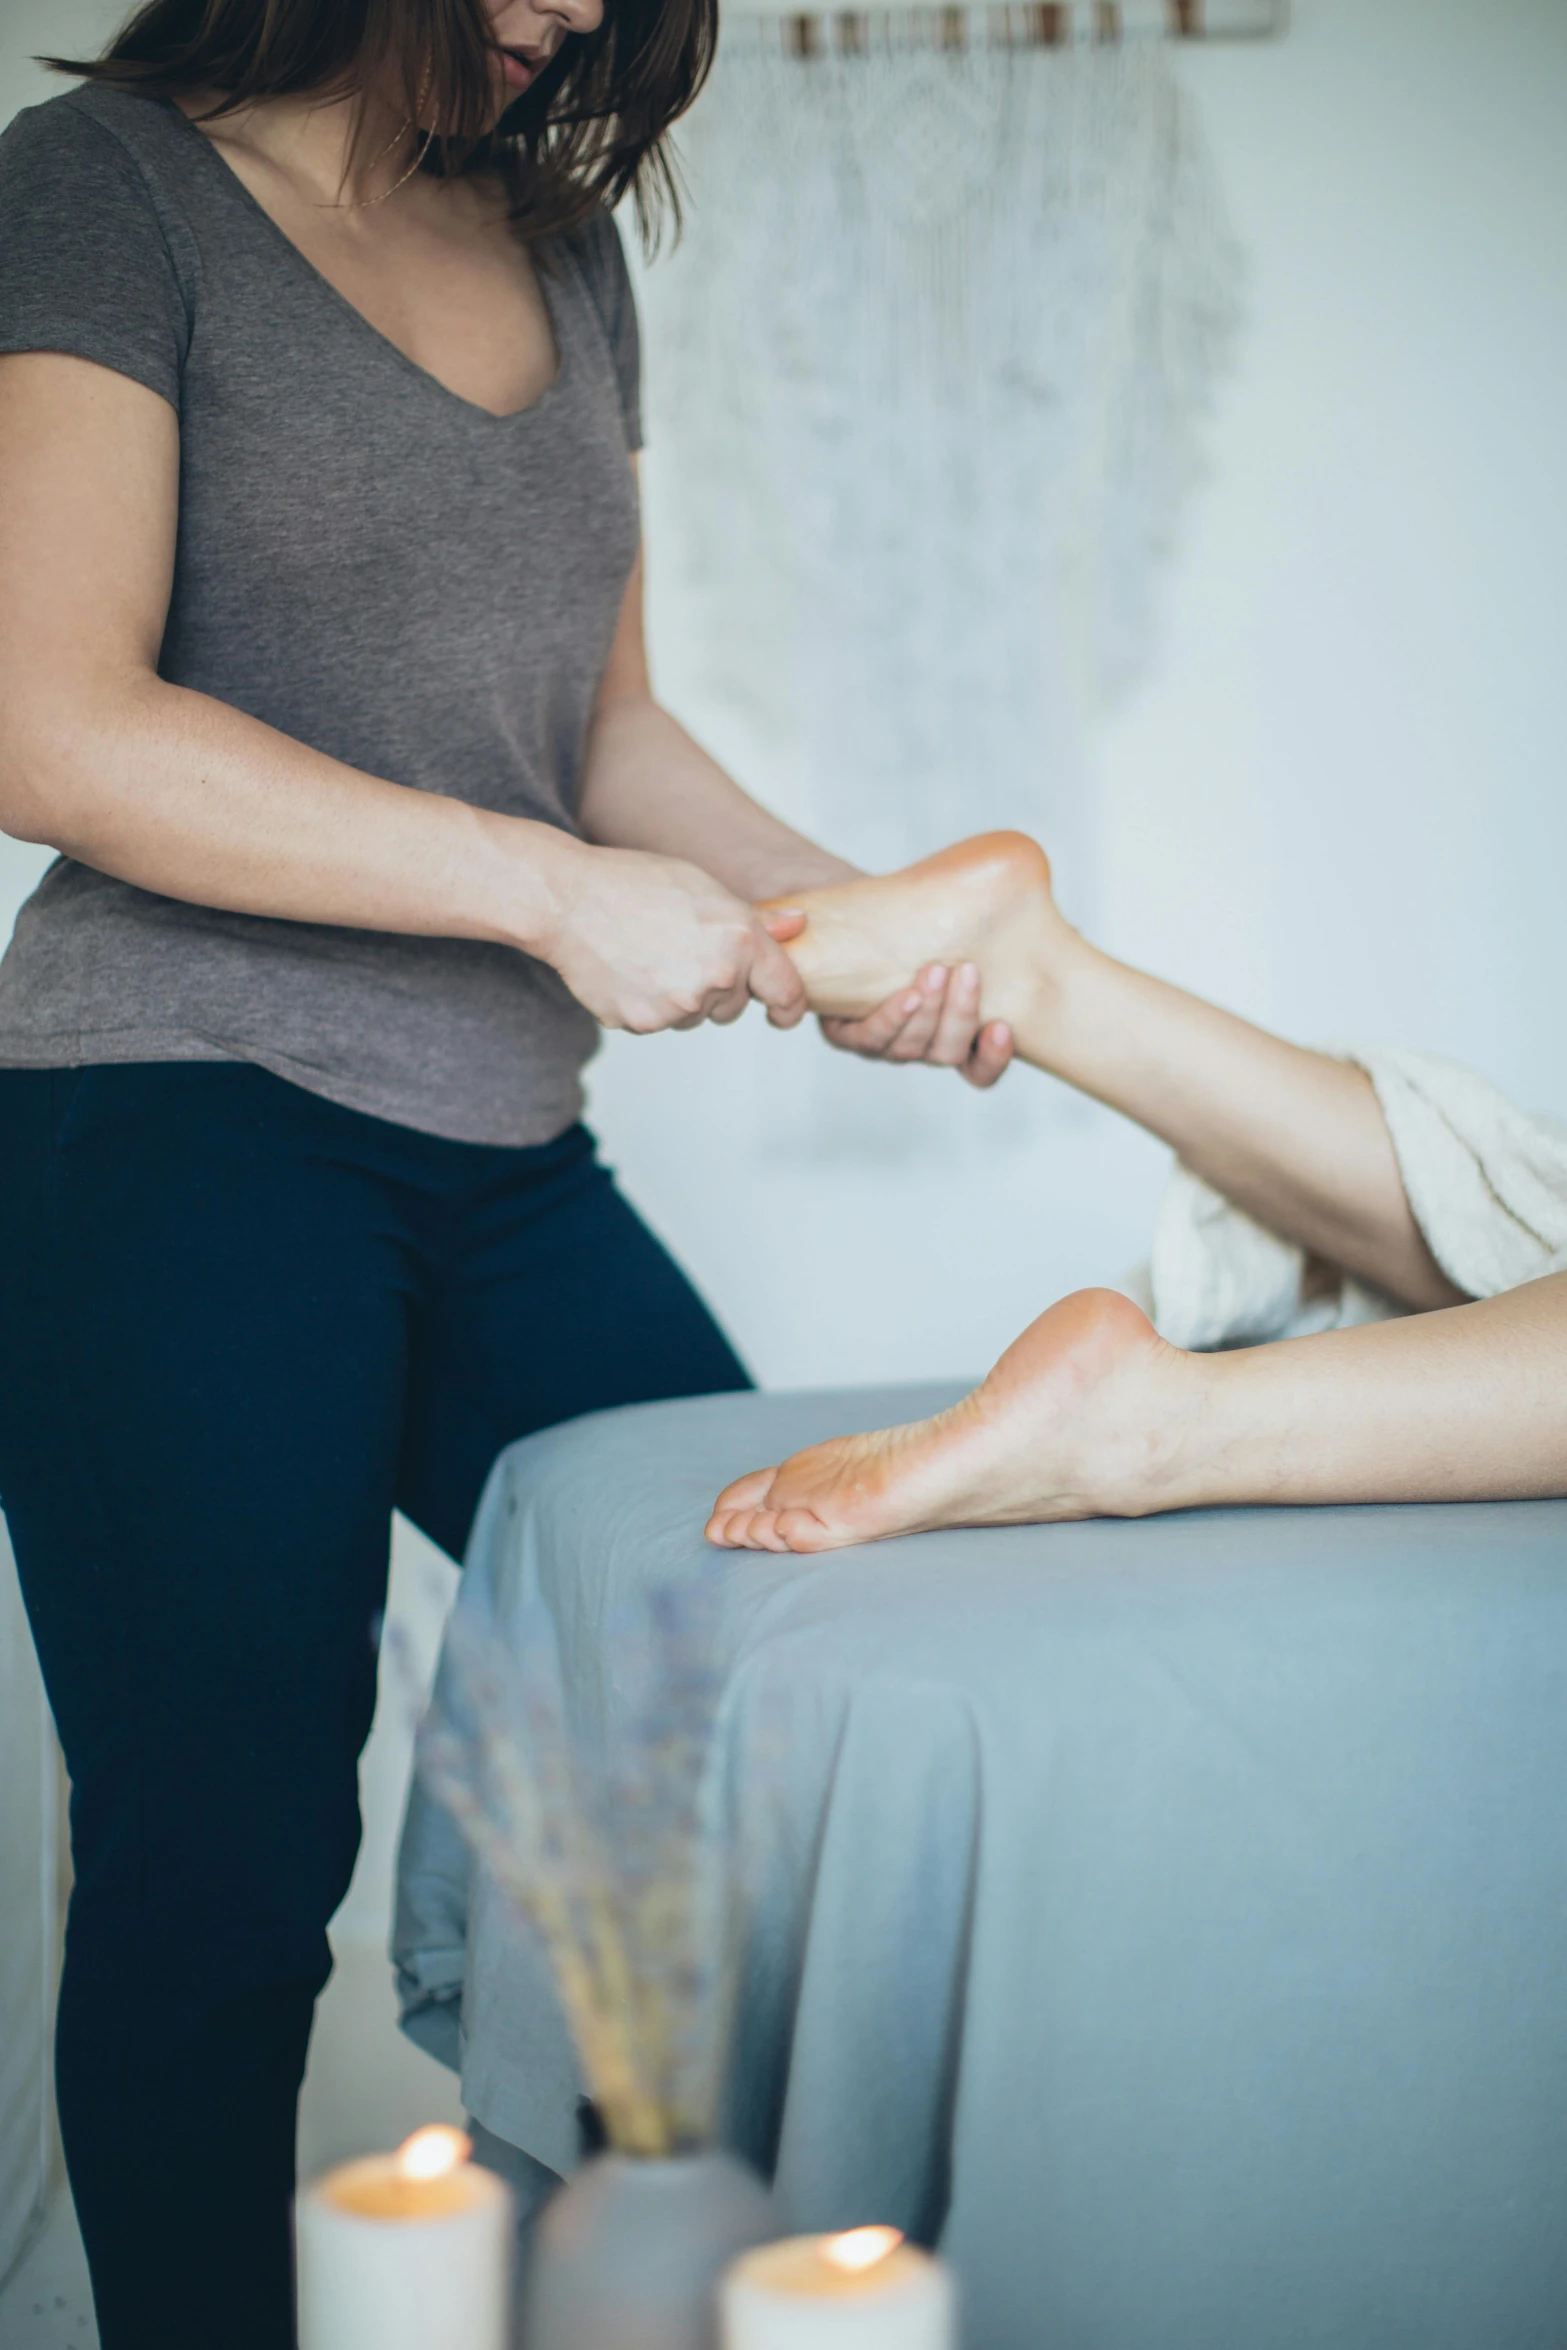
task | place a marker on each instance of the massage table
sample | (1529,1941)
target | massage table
(1168,1918)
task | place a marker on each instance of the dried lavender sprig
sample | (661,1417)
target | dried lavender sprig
(631,2115)
(617,1874)
(507,1825)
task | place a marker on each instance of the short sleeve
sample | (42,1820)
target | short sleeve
(603,262)
(84,264)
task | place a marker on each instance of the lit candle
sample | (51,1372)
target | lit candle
(866,2290)
(405,2251)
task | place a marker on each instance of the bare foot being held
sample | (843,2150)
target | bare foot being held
(985,901)
(1085,1415)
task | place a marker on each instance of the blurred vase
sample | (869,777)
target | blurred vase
(628,2255)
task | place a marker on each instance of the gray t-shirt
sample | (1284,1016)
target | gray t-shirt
(365,561)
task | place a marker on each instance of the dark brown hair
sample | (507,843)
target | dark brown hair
(590,129)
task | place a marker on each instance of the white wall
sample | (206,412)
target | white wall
(1339,803)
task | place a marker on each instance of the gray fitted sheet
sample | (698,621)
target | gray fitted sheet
(1171,1917)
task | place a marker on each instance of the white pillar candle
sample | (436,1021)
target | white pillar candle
(405,2251)
(866,2290)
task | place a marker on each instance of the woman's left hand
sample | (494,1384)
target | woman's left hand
(936,1020)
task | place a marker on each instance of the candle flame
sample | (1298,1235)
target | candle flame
(861,2248)
(431,2152)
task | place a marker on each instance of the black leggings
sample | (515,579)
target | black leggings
(239,1324)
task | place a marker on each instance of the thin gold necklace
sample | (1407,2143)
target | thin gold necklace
(363,203)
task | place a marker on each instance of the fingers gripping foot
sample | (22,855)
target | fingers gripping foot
(984,902)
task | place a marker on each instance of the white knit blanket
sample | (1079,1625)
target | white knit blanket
(1487,1183)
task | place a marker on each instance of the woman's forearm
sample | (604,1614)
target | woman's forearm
(648,785)
(1464,1405)
(196,800)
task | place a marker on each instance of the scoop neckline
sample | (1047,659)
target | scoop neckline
(302,261)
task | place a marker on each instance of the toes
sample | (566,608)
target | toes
(737,1512)
(757,1514)
(741,1520)
(781,1531)
(745,1530)
(762,1532)
(746,1492)
(731,1529)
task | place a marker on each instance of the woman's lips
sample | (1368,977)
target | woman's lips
(518,70)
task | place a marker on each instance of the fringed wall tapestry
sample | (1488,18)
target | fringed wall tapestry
(926,377)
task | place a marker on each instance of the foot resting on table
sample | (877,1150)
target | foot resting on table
(1083,1416)
(1092,1414)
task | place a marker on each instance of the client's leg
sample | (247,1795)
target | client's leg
(1090,1414)
(1294,1137)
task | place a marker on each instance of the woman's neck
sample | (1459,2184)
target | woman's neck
(309,141)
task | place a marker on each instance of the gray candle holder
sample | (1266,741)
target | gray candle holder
(628,2255)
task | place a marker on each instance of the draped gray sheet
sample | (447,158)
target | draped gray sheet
(1172,1916)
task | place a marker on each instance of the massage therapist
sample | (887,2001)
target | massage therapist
(321,665)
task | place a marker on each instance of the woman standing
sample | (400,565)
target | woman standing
(321,665)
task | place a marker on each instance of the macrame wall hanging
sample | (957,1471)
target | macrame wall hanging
(926,377)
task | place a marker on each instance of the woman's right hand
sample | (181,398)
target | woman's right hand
(649,942)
